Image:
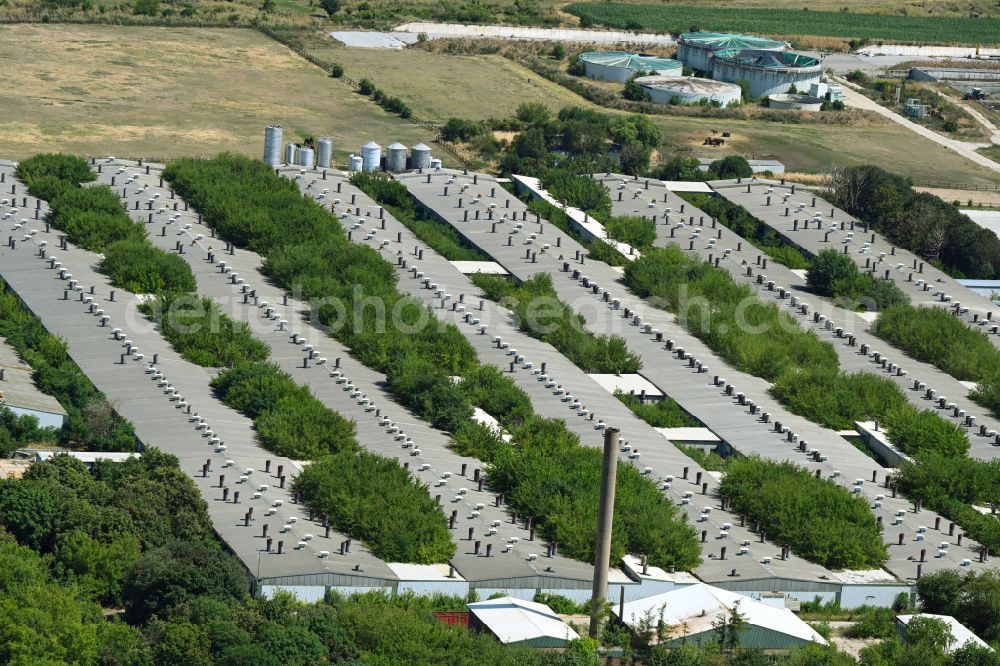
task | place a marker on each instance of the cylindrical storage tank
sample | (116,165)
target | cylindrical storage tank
(272,145)
(695,49)
(420,157)
(689,90)
(436,163)
(767,72)
(395,157)
(305,157)
(324,153)
(620,66)
(371,156)
(799,102)
(354,163)
(290,151)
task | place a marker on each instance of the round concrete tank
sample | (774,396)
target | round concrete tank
(766,72)
(395,157)
(420,156)
(324,153)
(354,163)
(689,90)
(695,49)
(436,163)
(800,102)
(371,156)
(620,66)
(290,151)
(272,145)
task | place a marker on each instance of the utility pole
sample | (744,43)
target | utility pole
(605,519)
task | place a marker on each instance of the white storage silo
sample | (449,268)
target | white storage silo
(290,151)
(371,156)
(354,163)
(272,145)
(395,157)
(305,157)
(436,163)
(420,157)
(324,153)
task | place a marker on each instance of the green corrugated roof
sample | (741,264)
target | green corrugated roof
(767,59)
(728,40)
(632,61)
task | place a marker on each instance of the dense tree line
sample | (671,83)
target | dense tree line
(918,221)
(937,337)
(91,422)
(201,333)
(94,219)
(635,230)
(835,275)
(738,220)
(380,502)
(821,520)
(288,418)
(754,336)
(395,198)
(539,312)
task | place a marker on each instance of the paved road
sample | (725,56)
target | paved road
(966,150)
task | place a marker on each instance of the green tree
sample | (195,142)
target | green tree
(731,166)
(166,576)
(331,7)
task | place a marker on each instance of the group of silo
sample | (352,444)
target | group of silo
(397,158)
(304,156)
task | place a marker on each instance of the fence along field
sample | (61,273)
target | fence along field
(790,22)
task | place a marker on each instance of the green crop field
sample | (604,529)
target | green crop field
(790,22)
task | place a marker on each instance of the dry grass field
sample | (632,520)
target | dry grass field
(166,92)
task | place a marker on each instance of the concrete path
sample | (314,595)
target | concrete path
(854,98)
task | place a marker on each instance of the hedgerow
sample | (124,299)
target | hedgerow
(937,337)
(94,219)
(91,422)
(396,199)
(821,520)
(288,418)
(738,220)
(201,333)
(540,313)
(378,501)
(835,274)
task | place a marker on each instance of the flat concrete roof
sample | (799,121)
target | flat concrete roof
(626,383)
(18,387)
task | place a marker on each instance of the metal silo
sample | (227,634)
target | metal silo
(420,157)
(272,145)
(324,153)
(395,157)
(436,163)
(371,156)
(290,150)
(354,163)
(305,157)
